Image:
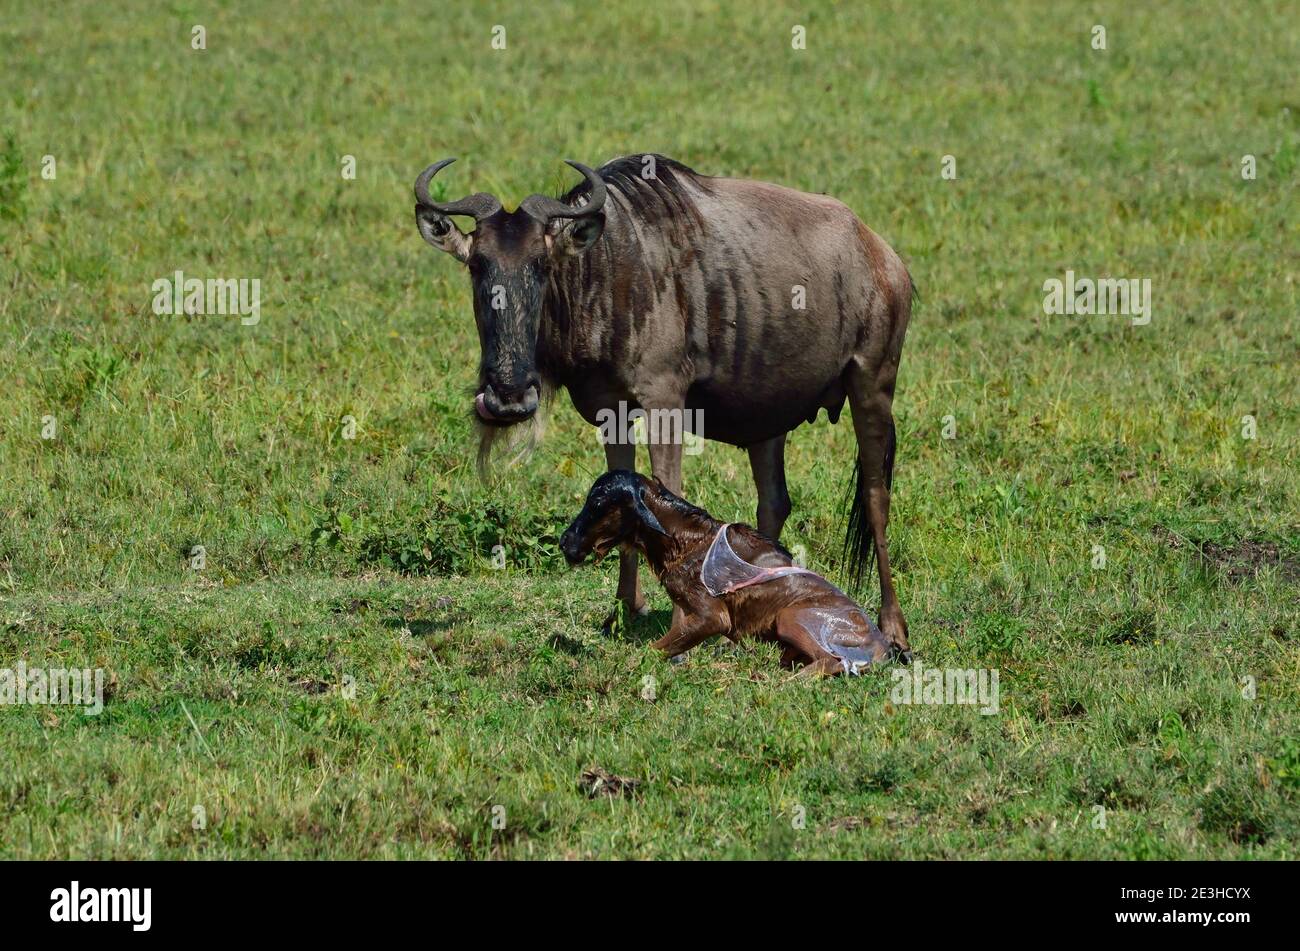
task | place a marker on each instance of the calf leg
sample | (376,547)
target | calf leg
(692,627)
(799,646)
(767,462)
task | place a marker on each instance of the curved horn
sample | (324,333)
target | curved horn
(544,208)
(478,205)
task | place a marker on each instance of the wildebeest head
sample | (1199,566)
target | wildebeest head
(509,255)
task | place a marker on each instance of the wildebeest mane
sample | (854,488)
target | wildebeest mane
(659,201)
(652,230)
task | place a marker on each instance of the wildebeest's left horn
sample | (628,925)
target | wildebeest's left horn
(544,208)
(478,205)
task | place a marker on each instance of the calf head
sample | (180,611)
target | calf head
(614,513)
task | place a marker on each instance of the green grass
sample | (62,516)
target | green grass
(364,563)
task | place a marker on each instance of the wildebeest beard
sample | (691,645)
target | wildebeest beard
(515,442)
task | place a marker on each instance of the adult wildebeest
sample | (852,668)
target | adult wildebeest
(655,286)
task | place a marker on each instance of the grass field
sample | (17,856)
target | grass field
(348,675)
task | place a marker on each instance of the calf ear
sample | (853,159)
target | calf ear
(576,237)
(646,516)
(441,232)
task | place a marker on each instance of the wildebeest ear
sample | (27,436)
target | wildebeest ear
(577,236)
(441,232)
(643,512)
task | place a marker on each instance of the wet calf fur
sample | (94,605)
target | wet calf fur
(629,511)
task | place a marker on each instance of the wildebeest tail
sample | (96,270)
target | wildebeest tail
(859,540)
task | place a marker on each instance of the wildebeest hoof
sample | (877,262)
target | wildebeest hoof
(679,658)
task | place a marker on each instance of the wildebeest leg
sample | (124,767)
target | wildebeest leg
(666,466)
(767,461)
(623,456)
(871,398)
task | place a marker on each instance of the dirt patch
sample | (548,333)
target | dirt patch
(596,782)
(1240,561)
(351,606)
(1244,559)
(310,685)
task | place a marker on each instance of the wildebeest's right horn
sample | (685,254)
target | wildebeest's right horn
(540,206)
(478,205)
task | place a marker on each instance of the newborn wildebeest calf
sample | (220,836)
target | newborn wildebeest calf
(727,579)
